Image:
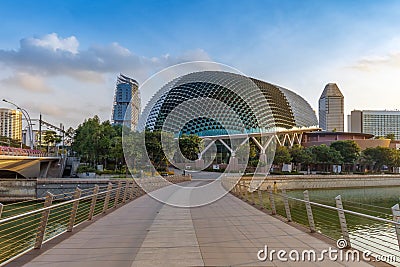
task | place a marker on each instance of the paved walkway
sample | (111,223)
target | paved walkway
(145,232)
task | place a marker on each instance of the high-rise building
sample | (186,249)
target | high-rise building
(11,123)
(126,101)
(376,122)
(331,109)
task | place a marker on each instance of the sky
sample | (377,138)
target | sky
(62,58)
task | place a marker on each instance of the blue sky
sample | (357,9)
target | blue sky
(61,58)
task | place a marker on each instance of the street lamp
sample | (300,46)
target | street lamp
(27,118)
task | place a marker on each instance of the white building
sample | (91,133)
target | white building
(11,123)
(376,122)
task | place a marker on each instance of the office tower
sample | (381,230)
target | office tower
(126,108)
(331,109)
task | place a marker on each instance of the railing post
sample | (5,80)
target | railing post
(260,199)
(1,209)
(125,192)
(132,190)
(94,200)
(71,223)
(287,207)
(241,189)
(309,211)
(117,194)
(246,191)
(342,220)
(43,222)
(396,218)
(271,200)
(107,198)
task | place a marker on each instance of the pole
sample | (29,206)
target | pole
(40,131)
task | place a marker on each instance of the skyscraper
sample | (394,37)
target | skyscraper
(11,123)
(126,101)
(331,109)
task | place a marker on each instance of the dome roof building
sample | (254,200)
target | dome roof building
(254,103)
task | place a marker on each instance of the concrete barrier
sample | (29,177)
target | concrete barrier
(17,189)
(326,181)
(23,189)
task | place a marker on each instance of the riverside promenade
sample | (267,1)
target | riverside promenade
(145,232)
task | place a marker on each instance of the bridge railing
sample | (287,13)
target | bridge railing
(377,234)
(27,225)
(15,151)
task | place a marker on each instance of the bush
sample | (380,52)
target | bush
(85,168)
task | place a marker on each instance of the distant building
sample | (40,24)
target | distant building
(11,123)
(126,101)
(361,139)
(376,122)
(331,109)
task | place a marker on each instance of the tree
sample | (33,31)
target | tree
(282,156)
(301,155)
(326,156)
(377,157)
(98,142)
(51,138)
(348,149)
(390,136)
(156,150)
(190,146)
(86,140)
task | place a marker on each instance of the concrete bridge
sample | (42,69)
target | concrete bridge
(145,232)
(30,166)
(29,163)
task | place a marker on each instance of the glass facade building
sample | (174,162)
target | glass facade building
(126,108)
(252,101)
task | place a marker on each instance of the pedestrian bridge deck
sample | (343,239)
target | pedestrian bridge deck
(146,232)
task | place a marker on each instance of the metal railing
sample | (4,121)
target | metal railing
(27,225)
(364,232)
(15,151)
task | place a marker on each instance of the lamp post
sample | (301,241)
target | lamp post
(27,118)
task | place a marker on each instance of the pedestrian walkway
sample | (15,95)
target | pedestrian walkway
(144,232)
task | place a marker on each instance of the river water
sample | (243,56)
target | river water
(365,234)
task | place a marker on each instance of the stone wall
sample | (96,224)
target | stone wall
(22,189)
(16,189)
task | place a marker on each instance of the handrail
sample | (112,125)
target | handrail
(44,225)
(344,210)
(18,216)
(380,248)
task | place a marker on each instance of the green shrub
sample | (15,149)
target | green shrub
(85,168)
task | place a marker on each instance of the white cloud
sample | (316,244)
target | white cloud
(52,55)
(27,82)
(53,42)
(374,63)
(79,82)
